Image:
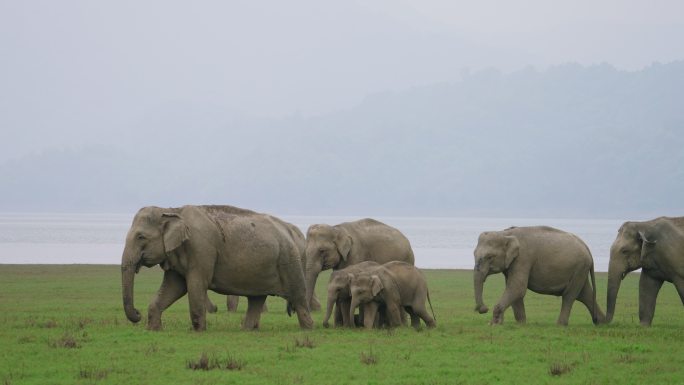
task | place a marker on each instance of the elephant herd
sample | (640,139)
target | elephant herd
(239,252)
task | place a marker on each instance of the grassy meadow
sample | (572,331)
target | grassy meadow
(64,324)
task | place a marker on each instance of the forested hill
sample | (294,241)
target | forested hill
(567,141)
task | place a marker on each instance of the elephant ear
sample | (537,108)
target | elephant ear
(512,250)
(343,242)
(647,244)
(175,232)
(376,285)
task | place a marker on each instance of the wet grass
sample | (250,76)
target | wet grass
(65,325)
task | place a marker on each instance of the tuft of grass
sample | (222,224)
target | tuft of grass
(93,373)
(626,359)
(49,324)
(205,362)
(559,368)
(305,342)
(369,358)
(67,341)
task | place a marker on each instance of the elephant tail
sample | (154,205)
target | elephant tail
(430,303)
(594,313)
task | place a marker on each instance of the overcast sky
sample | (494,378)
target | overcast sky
(75,72)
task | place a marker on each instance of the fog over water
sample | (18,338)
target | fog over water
(437,242)
(431,114)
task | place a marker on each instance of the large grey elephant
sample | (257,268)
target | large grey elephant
(397,286)
(221,248)
(339,293)
(657,247)
(346,244)
(542,259)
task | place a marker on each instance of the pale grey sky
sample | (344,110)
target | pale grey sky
(78,71)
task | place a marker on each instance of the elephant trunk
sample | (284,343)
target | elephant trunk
(129,266)
(328,310)
(615,275)
(311,275)
(478,282)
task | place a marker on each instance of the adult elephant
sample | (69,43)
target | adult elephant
(542,259)
(222,248)
(346,244)
(655,246)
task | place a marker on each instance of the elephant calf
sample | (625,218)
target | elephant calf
(339,293)
(395,285)
(542,259)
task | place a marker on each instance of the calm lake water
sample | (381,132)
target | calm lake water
(437,242)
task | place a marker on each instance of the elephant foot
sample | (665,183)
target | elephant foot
(481,309)
(154,327)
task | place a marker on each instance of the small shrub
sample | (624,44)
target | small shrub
(25,339)
(67,341)
(49,324)
(201,364)
(209,363)
(306,342)
(559,368)
(93,374)
(626,358)
(370,358)
(233,363)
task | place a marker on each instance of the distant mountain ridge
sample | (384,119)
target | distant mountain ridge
(567,141)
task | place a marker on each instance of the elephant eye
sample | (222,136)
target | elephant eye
(141,237)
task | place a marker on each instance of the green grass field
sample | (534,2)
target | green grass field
(65,325)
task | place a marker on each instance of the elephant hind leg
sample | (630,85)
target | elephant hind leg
(254,307)
(586,296)
(571,293)
(422,312)
(232,303)
(415,320)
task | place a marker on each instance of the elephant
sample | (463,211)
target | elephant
(225,249)
(396,285)
(655,246)
(349,243)
(339,295)
(540,258)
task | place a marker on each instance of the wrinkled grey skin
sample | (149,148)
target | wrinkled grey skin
(397,286)
(657,247)
(339,294)
(221,248)
(346,244)
(233,300)
(542,259)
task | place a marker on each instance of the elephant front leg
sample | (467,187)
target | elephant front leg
(370,311)
(344,307)
(519,310)
(514,292)
(648,293)
(254,306)
(394,315)
(197,294)
(172,288)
